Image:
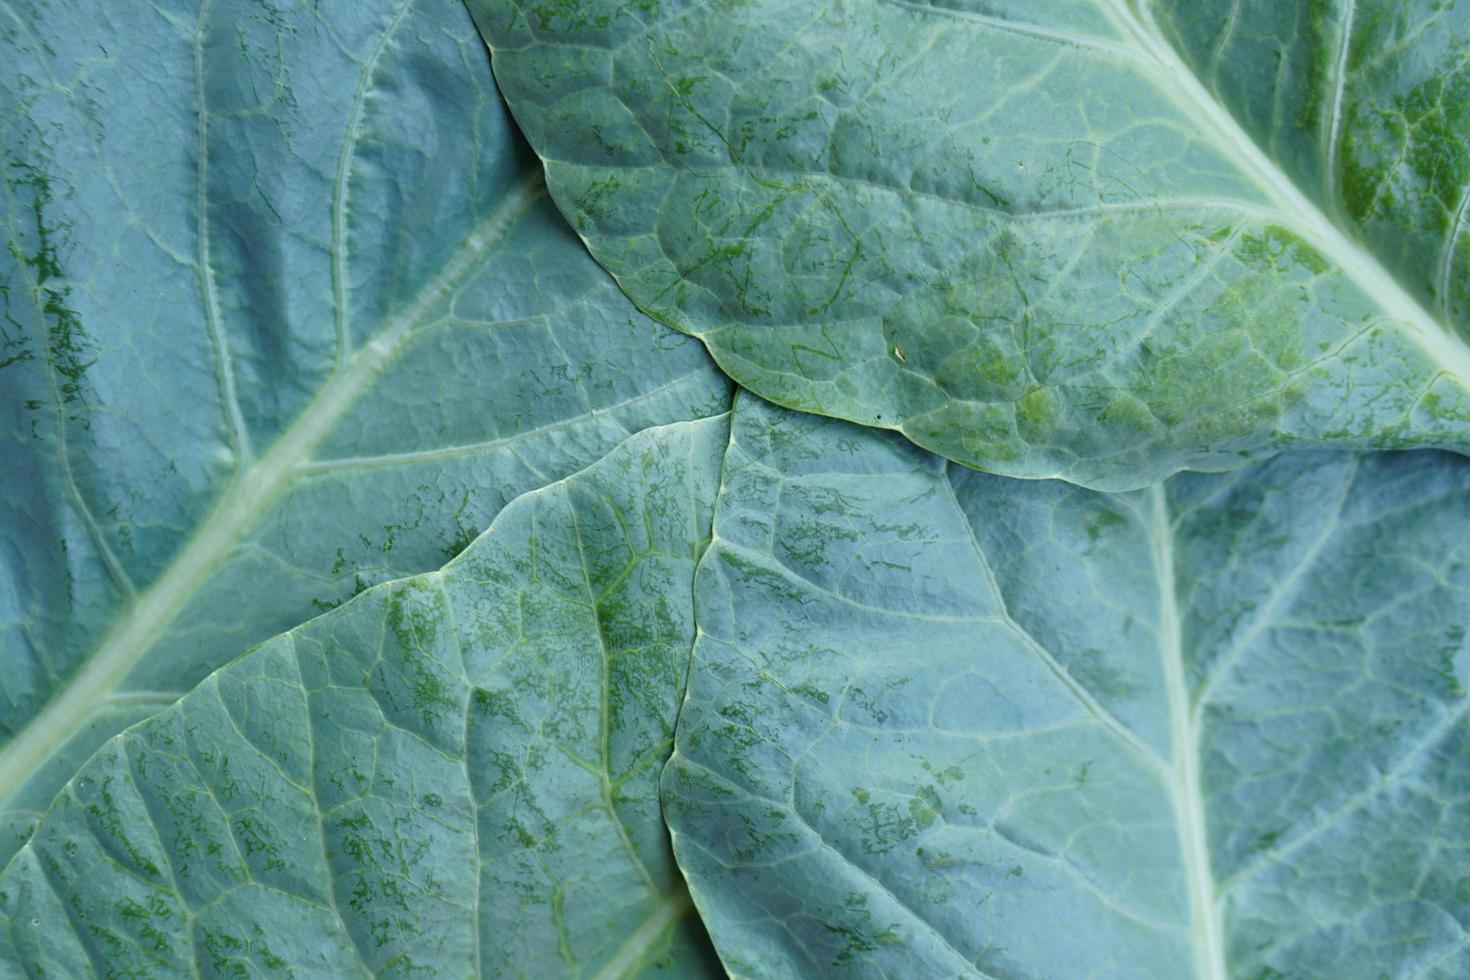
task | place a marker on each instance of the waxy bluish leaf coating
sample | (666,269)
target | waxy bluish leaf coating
(286,314)
(1097,239)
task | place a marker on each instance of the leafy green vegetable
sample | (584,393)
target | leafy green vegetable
(285,314)
(287,318)
(1214,727)
(941,723)
(450,775)
(1368,116)
(1100,239)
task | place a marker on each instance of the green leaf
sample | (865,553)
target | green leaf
(1366,106)
(284,313)
(450,775)
(941,723)
(1040,239)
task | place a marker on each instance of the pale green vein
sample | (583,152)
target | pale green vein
(1455,947)
(1035,32)
(630,957)
(1184,784)
(1142,749)
(316,806)
(469,777)
(1296,209)
(110,562)
(1265,611)
(341,186)
(1451,248)
(223,366)
(252,492)
(1437,733)
(604,721)
(314,467)
(1334,113)
(878,884)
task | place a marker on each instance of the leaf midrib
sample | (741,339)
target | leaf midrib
(253,490)
(1437,339)
(630,956)
(1206,931)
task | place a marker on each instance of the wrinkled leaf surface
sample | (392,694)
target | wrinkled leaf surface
(285,313)
(941,723)
(450,775)
(1090,239)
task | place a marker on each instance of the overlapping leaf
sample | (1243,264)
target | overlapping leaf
(943,724)
(1069,238)
(285,314)
(1215,727)
(450,775)
(1366,105)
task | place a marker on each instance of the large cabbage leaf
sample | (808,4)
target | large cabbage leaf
(284,314)
(942,723)
(287,319)
(935,723)
(1100,239)
(450,775)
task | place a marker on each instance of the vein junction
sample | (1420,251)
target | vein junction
(251,494)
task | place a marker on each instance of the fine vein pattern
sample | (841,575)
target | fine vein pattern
(1091,239)
(450,775)
(1216,728)
(239,386)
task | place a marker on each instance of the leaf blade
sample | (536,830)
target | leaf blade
(1185,722)
(437,775)
(1066,259)
(251,384)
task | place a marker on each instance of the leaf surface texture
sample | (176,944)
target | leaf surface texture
(942,723)
(1099,240)
(286,314)
(453,774)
